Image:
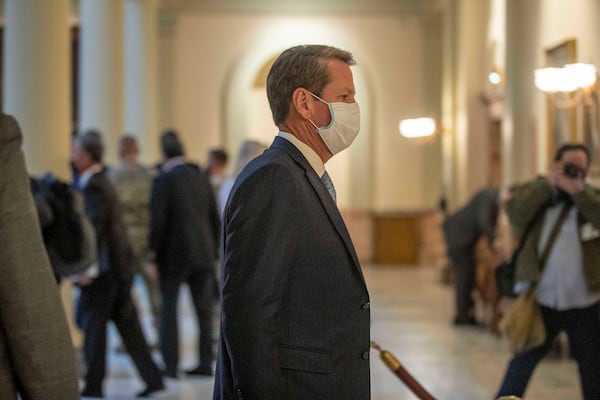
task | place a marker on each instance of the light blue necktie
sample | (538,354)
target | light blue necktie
(329,185)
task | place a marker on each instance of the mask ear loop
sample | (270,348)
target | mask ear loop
(321,100)
(317,97)
(313,124)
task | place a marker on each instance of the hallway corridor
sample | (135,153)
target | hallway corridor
(411,313)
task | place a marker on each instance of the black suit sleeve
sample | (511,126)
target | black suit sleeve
(96,208)
(215,222)
(159,208)
(260,240)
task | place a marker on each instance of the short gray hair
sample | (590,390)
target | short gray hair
(300,66)
(91,142)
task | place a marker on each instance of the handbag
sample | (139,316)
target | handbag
(522,324)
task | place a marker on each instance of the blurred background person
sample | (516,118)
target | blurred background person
(132,182)
(216,168)
(37,359)
(568,284)
(106,289)
(462,230)
(249,149)
(184,237)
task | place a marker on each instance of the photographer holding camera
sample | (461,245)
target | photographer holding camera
(568,284)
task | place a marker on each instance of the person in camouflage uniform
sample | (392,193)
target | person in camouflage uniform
(133,182)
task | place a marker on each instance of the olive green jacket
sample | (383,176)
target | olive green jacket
(37,358)
(523,207)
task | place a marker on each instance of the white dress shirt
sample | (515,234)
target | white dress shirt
(562,285)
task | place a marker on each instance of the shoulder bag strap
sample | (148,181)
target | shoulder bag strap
(554,233)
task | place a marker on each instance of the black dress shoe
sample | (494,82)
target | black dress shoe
(200,371)
(149,390)
(169,374)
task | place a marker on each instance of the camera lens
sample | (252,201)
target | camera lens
(573,171)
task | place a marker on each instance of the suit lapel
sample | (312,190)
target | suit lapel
(326,201)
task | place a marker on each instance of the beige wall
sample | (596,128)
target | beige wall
(534,26)
(208,63)
(217,57)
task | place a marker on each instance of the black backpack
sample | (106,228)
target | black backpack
(69,237)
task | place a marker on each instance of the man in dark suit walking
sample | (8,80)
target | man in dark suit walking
(462,230)
(295,306)
(184,237)
(106,287)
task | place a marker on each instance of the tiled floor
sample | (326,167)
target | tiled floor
(411,311)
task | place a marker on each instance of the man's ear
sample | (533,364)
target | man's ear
(300,102)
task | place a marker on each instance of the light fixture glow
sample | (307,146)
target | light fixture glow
(494,78)
(566,79)
(417,127)
(553,80)
(582,75)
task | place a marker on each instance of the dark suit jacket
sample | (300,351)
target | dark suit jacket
(295,307)
(475,219)
(102,206)
(184,221)
(36,352)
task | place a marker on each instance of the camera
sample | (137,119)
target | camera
(573,171)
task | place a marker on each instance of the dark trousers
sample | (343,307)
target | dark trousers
(583,330)
(201,285)
(109,298)
(463,264)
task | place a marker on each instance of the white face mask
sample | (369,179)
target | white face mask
(343,128)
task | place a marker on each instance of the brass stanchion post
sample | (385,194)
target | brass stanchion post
(396,367)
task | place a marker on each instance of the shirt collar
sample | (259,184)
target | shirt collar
(172,163)
(311,156)
(85,177)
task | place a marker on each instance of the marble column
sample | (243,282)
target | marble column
(519,145)
(470,74)
(102,70)
(141,75)
(167,40)
(36,80)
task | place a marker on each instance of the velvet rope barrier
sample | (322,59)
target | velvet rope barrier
(396,367)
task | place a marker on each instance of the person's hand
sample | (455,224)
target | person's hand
(501,250)
(570,185)
(554,173)
(84,279)
(151,270)
(504,195)
(558,179)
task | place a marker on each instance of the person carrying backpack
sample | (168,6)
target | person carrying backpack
(68,233)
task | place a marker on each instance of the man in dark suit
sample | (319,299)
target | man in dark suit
(105,289)
(37,359)
(184,237)
(462,230)
(295,306)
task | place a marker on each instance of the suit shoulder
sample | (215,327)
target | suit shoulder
(272,166)
(9,131)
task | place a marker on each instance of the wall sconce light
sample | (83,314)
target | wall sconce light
(495,78)
(417,127)
(569,80)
